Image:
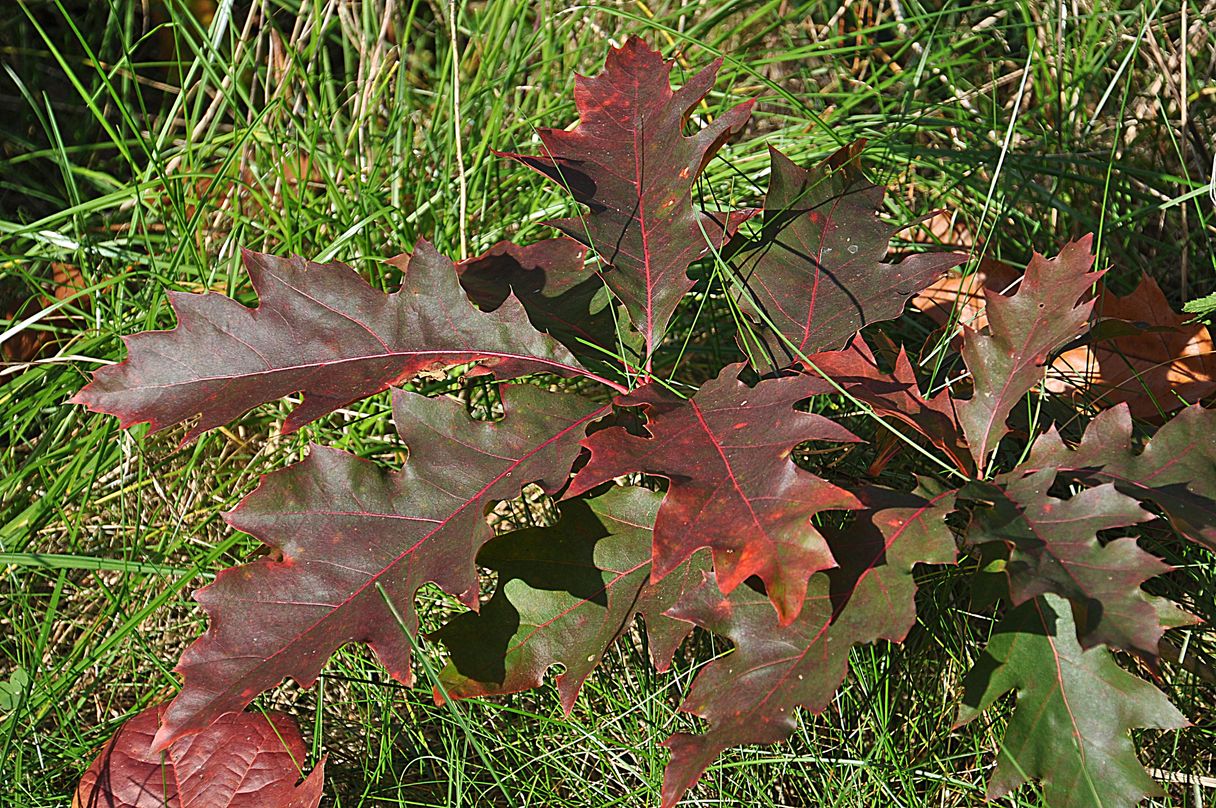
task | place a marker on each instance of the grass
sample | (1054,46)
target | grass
(144,143)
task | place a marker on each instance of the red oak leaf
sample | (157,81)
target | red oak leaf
(565,594)
(895,395)
(752,694)
(319,329)
(1053,547)
(243,760)
(561,295)
(1158,365)
(1175,470)
(1009,358)
(358,541)
(1075,709)
(629,161)
(814,275)
(734,487)
(1153,358)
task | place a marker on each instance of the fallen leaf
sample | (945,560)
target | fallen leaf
(1156,362)
(1164,364)
(959,298)
(243,760)
(28,345)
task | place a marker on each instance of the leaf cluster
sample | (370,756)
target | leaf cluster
(684,501)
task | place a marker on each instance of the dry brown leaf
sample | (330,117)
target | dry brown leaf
(27,345)
(944,229)
(1165,363)
(960,298)
(1169,363)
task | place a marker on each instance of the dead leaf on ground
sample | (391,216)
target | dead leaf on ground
(28,345)
(959,298)
(1156,362)
(1166,364)
(243,760)
(945,229)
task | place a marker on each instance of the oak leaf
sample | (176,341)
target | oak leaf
(1152,358)
(30,343)
(895,395)
(242,760)
(356,542)
(629,161)
(733,485)
(1159,363)
(1175,470)
(752,694)
(1075,708)
(814,275)
(1053,547)
(1009,357)
(562,296)
(565,594)
(959,299)
(319,329)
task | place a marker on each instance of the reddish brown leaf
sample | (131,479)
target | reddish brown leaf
(1053,547)
(752,694)
(630,163)
(1009,358)
(1163,364)
(357,542)
(945,228)
(1175,470)
(1157,362)
(243,760)
(734,487)
(815,271)
(319,329)
(895,395)
(565,594)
